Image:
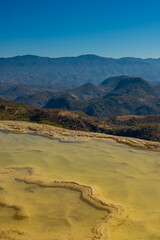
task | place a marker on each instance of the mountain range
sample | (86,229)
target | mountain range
(122,96)
(75,83)
(70,72)
(72,93)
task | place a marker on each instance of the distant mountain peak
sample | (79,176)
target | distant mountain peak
(131,81)
(132,86)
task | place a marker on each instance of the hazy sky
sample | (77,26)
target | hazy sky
(111,28)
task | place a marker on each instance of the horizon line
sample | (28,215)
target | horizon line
(87,54)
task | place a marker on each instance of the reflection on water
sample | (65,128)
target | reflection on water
(124,174)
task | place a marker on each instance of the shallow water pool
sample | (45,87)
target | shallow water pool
(125,175)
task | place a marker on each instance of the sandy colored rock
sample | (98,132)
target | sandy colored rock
(71,135)
(114,214)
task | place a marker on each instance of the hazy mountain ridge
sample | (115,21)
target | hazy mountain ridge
(40,99)
(12,91)
(69,72)
(127,96)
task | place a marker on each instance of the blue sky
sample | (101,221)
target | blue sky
(54,28)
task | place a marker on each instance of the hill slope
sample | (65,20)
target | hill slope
(86,91)
(131,96)
(145,127)
(61,118)
(156,86)
(132,86)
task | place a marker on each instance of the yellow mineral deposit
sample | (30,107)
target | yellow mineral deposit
(59,190)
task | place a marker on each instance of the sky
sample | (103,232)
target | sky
(57,28)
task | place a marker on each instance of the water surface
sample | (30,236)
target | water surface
(126,175)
